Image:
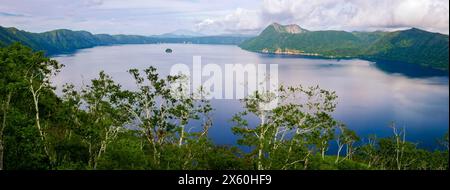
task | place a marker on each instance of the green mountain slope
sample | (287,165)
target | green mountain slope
(56,41)
(66,41)
(410,46)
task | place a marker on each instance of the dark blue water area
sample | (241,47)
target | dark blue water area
(371,95)
(409,70)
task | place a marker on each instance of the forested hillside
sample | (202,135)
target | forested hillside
(67,41)
(410,46)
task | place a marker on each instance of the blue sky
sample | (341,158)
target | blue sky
(147,17)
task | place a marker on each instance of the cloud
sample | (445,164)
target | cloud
(143,17)
(239,21)
(6,14)
(218,16)
(368,15)
(361,15)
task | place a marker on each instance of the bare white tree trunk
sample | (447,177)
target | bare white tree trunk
(323,153)
(36,93)
(323,149)
(400,141)
(37,118)
(5,111)
(180,142)
(261,142)
(340,147)
(110,135)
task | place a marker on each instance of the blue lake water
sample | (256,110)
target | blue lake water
(371,95)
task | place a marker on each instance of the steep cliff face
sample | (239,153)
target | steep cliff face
(291,28)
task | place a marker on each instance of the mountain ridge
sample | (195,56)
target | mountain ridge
(413,45)
(66,41)
(181,33)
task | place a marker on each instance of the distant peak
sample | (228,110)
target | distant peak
(291,28)
(414,29)
(183,32)
(10,28)
(60,30)
(276,24)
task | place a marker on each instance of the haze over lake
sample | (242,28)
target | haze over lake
(371,95)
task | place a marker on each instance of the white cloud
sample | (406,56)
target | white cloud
(369,15)
(218,16)
(239,21)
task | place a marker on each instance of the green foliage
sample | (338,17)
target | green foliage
(390,154)
(412,46)
(102,126)
(125,153)
(24,149)
(23,80)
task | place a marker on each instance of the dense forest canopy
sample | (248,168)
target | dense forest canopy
(88,127)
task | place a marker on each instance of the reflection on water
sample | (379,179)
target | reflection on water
(410,70)
(371,95)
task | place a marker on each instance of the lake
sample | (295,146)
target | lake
(371,95)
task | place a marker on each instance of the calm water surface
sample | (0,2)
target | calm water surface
(371,95)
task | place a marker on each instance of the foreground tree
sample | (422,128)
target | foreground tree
(11,79)
(346,137)
(395,153)
(293,130)
(24,69)
(38,75)
(162,109)
(104,117)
